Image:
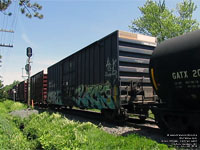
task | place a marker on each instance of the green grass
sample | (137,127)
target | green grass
(101,140)
(91,109)
(54,132)
(151,115)
(95,110)
(9,106)
(11,138)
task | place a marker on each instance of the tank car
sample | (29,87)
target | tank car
(175,75)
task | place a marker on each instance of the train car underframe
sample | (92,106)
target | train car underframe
(134,103)
(177,120)
(137,109)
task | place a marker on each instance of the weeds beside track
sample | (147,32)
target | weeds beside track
(47,131)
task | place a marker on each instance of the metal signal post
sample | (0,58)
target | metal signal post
(29,84)
(28,69)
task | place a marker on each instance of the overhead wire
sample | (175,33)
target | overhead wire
(14,23)
(3,24)
(8,23)
(2,33)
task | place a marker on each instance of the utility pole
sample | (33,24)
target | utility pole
(6,45)
(28,69)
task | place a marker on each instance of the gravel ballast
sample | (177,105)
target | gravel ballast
(24,113)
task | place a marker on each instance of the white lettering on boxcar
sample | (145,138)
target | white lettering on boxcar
(111,68)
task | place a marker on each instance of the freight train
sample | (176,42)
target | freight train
(110,74)
(122,73)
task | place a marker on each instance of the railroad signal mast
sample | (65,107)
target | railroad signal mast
(28,70)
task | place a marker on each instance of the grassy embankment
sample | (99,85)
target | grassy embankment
(54,132)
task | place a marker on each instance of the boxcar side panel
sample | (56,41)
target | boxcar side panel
(39,87)
(36,87)
(90,75)
(20,92)
(54,84)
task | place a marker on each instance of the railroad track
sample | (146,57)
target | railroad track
(97,116)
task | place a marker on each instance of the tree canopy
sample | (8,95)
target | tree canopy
(4,89)
(26,7)
(157,20)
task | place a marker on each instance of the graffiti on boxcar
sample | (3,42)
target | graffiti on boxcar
(94,96)
(54,97)
(111,68)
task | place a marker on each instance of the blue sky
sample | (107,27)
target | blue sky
(68,26)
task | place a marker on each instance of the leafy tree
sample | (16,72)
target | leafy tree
(1,89)
(27,8)
(185,10)
(10,86)
(4,89)
(157,20)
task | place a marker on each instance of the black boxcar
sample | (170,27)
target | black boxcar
(110,74)
(39,88)
(21,91)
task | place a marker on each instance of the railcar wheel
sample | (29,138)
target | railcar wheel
(178,124)
(109,114)
(142,118)
(69,107)
(173,124)
(117,116)
(161,123)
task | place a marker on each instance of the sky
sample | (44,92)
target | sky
(67,26)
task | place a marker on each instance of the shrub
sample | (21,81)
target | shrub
(8,106)
(10,136)
(55,132)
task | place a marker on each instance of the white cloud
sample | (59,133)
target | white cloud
(27,40)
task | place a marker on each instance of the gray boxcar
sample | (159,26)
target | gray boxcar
(110,74)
